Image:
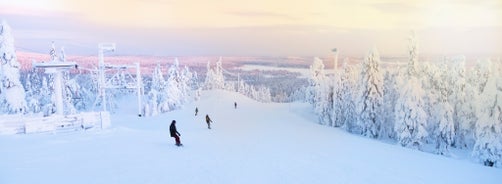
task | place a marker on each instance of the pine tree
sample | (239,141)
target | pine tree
(390,97)
(410,119)
(215,78)
(70,87)
(173,91)
(488,147)
(46,96)
(371,97)
(320,92)
(337,100)
(413,52)
(12,90)
(348,105)
(442,111)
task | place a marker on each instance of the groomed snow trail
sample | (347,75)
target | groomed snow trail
(255,143)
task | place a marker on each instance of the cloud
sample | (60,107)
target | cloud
(263,15)
(395,7)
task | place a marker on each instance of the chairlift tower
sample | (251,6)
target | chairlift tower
(57,68)
(103,47)
(119,77)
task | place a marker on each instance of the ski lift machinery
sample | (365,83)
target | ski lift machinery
(115,72)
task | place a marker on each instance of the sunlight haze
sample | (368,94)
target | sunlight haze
(259,28)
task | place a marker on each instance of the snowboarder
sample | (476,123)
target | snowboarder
(208,121)
(235,105)
(196,111)
(175,133)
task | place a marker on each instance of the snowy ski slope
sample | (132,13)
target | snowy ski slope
(255,143)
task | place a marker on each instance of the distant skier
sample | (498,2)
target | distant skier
(175,133)
(208,121)
(196,111)
(235,105)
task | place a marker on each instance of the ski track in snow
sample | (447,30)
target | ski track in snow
(255,143)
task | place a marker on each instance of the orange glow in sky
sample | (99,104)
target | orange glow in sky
(382,23)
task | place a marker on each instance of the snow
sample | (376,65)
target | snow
(255,143)
(304,72)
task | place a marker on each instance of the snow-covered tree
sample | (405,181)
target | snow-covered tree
(214,78)
(371,95)
(445,132)
(320,92)
(390,97)
(441,119)
(337,100)
(71,88)
(174,93)
(11,88)
(461,99)
(413,52)
(488,147)
(47,99)
(348,89)
(33,83)
(170,93)
(410,119)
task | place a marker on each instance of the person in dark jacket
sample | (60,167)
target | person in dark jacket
(175,133)
(196,111)
(208,121)
(235,105)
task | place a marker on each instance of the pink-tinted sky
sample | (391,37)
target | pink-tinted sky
(258,27)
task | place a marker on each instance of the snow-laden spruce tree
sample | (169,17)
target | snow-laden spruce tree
(69,89)
(410,119)
(320,92)
(413,52)
(174,93)
(337,100)
(390,97)
(170,93)
(47,99)
(11,88)
(210,75)
(33,84)
(443,132)
(462,99)
(371,95)
(348,89)
(488,147)
(155,98)
(214,78)
(480,74)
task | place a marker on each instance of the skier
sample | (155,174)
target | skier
(208,121)
(175,133)
(196,111)
(235,105)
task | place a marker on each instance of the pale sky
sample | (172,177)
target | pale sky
(258,27)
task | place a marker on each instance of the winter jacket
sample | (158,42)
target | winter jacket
(173,130)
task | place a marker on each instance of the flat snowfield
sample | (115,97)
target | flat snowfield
(255,143)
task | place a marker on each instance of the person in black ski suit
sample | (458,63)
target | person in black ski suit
(175,133)
(235,105)
(208,121)
(196,111)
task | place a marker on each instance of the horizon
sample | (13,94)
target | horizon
(258,29)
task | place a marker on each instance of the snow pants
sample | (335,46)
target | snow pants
(177,138)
